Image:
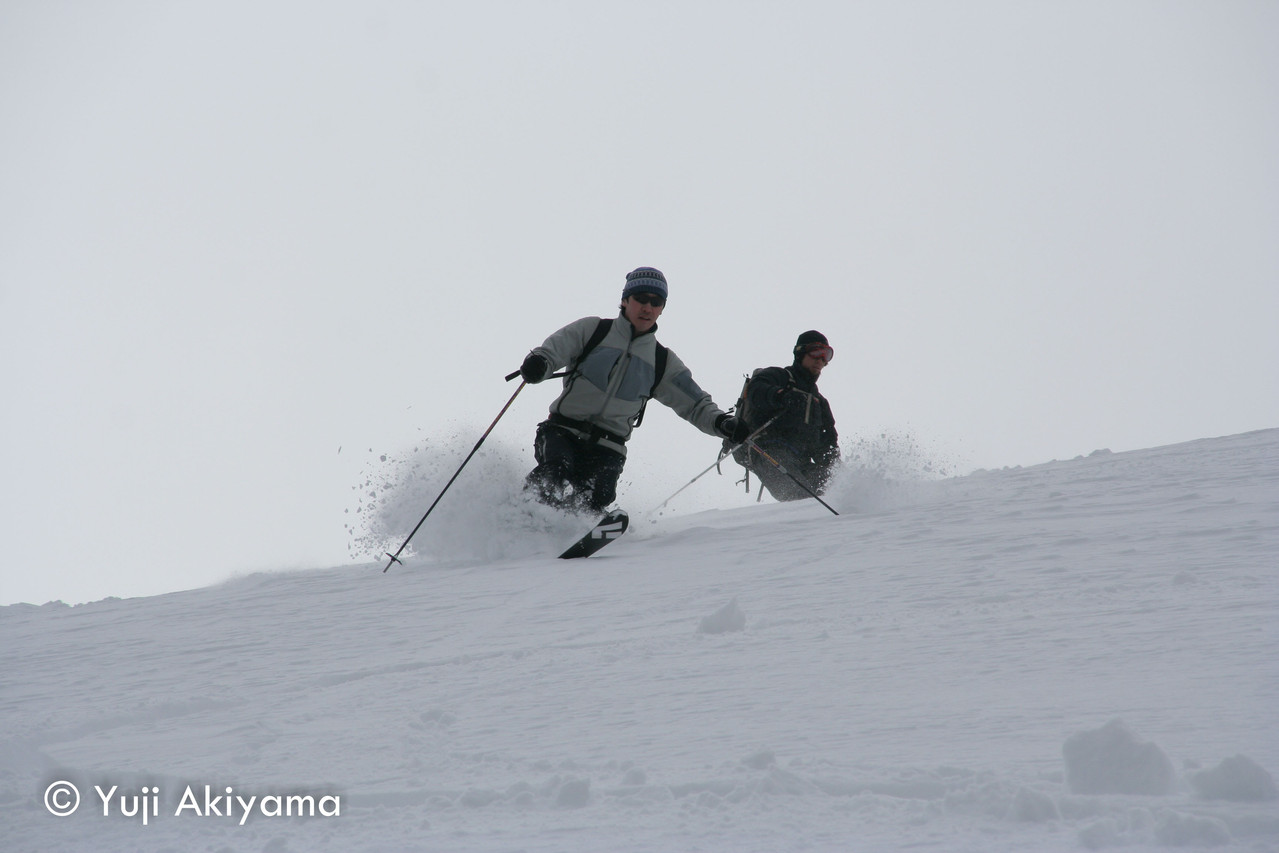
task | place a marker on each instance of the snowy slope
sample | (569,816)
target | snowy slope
(911,674)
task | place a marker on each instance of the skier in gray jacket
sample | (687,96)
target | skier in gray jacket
(614,369)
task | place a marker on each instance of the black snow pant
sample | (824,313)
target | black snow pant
(573,473)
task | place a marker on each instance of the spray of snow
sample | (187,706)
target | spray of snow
(884,470)
(484,516)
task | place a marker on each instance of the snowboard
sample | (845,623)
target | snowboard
(609,528)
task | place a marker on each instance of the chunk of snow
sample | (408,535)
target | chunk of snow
(728,618)
(1111,760)
(1238,779)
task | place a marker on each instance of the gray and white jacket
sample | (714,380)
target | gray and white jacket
(608,389)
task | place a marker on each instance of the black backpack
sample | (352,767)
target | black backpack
(741,407)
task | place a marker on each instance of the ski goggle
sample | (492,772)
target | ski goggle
(821,352)
(649,299)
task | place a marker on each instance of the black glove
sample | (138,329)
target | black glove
(734,429)
(534,368)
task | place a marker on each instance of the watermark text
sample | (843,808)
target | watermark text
(149,804)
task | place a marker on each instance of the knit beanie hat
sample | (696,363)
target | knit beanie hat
(645,280)
(806,340)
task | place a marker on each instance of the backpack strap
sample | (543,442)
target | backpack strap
(601,329)
(660,363)
(659,369)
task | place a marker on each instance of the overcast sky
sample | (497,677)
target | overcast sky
(244,244)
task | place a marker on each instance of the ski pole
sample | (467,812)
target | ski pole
(511,376)
(395,558)
(723,454)
(797,480)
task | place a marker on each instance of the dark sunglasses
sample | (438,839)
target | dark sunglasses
(649,299)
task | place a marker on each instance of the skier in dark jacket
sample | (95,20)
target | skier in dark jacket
(802,439)
(581,448)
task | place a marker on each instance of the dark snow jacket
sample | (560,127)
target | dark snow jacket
(805,427)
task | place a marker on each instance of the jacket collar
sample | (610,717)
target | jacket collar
(803,378)
(621,315)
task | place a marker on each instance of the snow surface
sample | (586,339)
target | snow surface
(1077,655)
